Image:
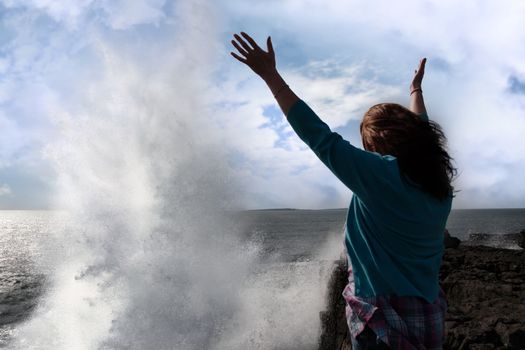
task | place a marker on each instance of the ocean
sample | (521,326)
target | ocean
(295,234)
(294,251)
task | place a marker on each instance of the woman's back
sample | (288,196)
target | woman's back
(394,235)
(394,240)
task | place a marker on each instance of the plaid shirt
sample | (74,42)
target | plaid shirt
(402,322)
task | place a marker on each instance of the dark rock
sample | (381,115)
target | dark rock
(449,241)
(485,289)
(521,241)
(516,338)
(333,331)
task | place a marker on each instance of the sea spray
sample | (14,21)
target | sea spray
(148,258)
(147,261)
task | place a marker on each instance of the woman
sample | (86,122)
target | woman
(402,196)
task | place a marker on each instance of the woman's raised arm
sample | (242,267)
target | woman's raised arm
(358,169)
(417,105)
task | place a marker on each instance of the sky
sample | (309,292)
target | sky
(340,57)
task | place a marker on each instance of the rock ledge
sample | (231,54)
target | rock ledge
(485,290)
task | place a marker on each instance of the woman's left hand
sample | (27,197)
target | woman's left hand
(418,75)
(260,61)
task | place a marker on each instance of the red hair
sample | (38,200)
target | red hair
(418,145)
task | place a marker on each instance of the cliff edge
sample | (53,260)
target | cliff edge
(485,290)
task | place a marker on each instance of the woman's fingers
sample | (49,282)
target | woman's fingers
(243,43)
(270,46)
(243,60)
(260,61)
(422,65)
(418,75)
(250,40)
(240,49)
(420,71)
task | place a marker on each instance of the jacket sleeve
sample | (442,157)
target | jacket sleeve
(363,172)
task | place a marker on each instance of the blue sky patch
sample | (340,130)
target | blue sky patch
(516,86)
(277,122)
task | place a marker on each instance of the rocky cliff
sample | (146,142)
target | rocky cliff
(485,290)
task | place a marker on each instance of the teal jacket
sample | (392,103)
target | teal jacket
(394,230)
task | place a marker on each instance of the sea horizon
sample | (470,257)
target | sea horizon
(265,209)
(286,208)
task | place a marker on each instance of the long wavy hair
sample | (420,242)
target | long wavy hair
(418,144)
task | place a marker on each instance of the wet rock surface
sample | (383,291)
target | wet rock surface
(334,330)
(485,290)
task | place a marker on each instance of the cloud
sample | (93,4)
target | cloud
(50,53)
(5,190)
(123,14)
(341,90)
(74,14)
(69,12)
(340,57)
